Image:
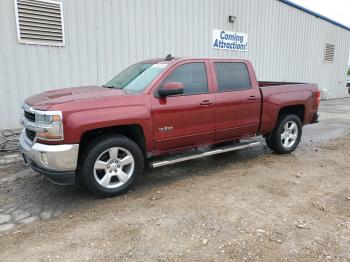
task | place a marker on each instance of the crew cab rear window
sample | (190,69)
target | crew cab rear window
(231,76)
(193,76)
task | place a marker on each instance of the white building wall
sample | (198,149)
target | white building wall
(103,37)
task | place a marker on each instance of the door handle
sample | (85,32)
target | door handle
(206,103)
(252,98)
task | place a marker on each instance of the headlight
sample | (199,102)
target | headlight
(50,126)
(47,125)
(47,119)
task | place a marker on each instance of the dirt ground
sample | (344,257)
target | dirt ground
(239,206)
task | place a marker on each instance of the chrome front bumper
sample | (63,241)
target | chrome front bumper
(58,162)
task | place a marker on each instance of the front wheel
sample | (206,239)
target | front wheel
(110,165)
(286,136)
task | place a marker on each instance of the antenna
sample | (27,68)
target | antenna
(168,57)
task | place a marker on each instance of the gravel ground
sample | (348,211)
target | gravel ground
(250,205)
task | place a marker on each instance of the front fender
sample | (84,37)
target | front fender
(77,123)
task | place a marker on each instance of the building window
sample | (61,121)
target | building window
(39,22)
(329,52)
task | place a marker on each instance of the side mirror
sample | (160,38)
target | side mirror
(171,88)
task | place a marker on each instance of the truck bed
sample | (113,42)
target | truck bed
(276,95)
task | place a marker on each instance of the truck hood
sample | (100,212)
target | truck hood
(45,100)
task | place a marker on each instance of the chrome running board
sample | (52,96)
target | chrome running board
(224,149)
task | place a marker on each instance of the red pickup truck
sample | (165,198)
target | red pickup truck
(102,136)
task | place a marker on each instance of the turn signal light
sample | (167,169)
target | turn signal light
(48,136)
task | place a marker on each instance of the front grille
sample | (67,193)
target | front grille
(30,134)
(29,116)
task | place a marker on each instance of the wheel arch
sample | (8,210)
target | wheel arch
(298,110)
(134,132)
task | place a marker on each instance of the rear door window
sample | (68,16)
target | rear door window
(231,76)
(193,76)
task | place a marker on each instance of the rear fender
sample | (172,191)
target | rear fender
(274,103)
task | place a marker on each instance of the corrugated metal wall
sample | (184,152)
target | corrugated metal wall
(103,37)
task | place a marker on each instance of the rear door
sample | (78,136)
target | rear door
(187,119)
(237,108)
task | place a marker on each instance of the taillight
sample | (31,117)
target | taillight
(318,97)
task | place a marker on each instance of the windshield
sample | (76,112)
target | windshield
(136,77)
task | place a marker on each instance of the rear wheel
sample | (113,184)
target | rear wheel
(286,136)
(110,165)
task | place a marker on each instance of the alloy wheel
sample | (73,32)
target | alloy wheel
(289,134)
(114,167)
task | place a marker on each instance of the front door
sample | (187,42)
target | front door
(187,119)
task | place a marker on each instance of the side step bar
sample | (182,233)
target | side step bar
(224,149)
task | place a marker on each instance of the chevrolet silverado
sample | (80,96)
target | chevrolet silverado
(102,136)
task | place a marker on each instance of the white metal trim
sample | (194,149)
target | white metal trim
(41,42)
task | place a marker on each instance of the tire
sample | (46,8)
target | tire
(268,142)
(286,136)
(110,165)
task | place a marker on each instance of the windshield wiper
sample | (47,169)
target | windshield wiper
(115,87)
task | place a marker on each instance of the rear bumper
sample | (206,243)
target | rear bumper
(57,162)
(315,119)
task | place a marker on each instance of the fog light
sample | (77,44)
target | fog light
(44,158)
